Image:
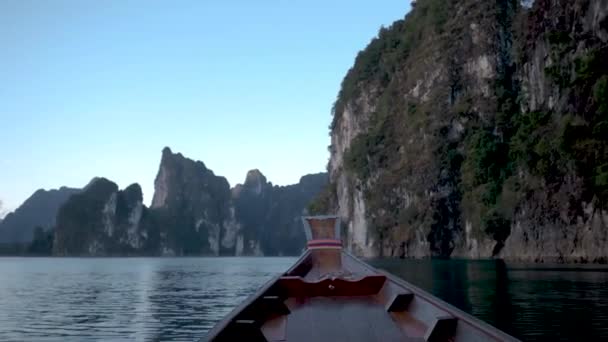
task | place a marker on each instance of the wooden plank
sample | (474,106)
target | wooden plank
(410,326)
(327,261)
(274,329)
(472,324)
(264,307)
(302,266)
(298,287)
(342,319)
(375,307)
(228,319)
(304,263)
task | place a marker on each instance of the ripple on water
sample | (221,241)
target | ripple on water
(179,299)
(532,302)
(59,299)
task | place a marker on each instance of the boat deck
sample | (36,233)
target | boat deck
(362,305)
(343,319)
(329,295)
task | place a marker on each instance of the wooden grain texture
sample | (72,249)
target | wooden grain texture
(342,319)
(326,261)
(322,228)
(298,287)
(274,329)
(299,306)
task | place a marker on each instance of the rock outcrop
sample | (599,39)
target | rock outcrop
(101,220)
(39,210)
(270,216)
(193,212)
(477,129)
(193,205)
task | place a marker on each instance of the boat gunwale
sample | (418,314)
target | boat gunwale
(303,258)
(228,318)
(425,296)
(462,316)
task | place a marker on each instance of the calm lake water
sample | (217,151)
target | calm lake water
(179,299)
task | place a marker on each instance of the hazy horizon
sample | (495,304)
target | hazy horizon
(97,89)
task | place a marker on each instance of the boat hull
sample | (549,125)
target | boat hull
(353,303)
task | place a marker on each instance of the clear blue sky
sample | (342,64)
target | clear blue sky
(98,88)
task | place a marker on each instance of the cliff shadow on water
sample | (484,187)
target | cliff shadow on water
(529,301)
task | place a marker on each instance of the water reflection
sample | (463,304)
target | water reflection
(147,299)
(141,299)
(503,311)
(532,302)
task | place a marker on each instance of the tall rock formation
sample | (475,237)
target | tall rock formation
(39,210)
(252,201)
(194,206)
(101,220)
(477,129)
(270,215)
(193,212)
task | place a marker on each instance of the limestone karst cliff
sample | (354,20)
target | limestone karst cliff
(193,212)
(39,210)
(270,215)
(192,206)
(477,129)
(101,220)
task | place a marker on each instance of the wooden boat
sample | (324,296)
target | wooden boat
(330,295)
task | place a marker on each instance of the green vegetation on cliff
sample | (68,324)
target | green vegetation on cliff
(193,212)
(459,129)
(101,220)
(386,54)
(39,210)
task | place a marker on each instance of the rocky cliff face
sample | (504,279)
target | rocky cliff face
(39,210)
(101,220)
(193,212)
(564,81)
(194,206)
(477,129)
(270,216)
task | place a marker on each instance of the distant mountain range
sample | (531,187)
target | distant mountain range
(193,212)
(39,210)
